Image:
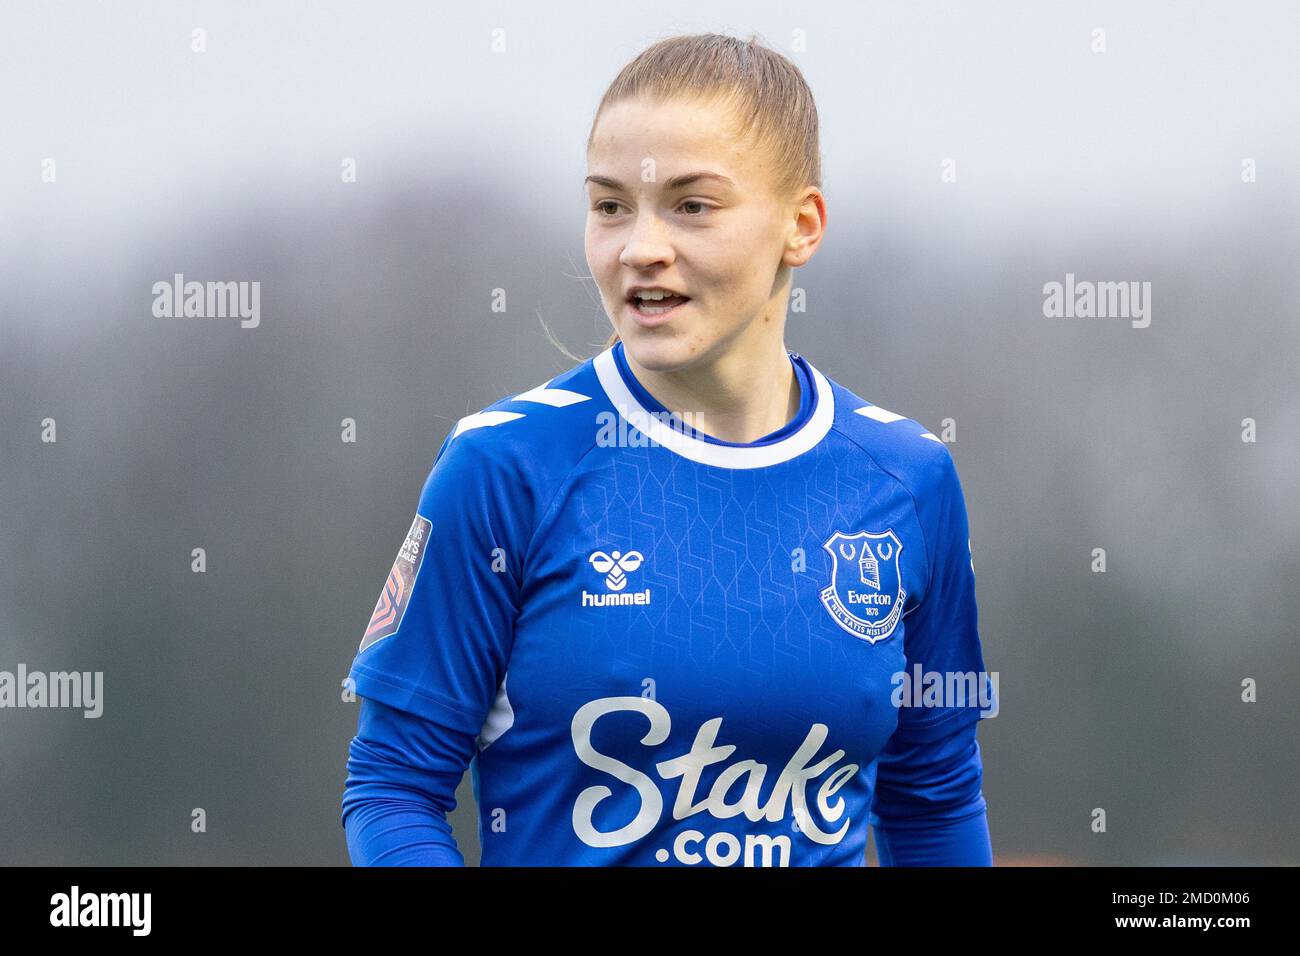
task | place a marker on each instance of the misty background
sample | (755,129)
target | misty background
(222,690)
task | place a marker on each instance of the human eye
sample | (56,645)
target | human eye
(704,207)
(600,204)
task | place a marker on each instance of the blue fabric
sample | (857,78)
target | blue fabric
(928,808)
(399,790)
(958,843)
(653,655)
(807,402)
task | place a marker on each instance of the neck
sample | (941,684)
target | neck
(740,396)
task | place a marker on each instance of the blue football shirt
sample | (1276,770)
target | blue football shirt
(653,647)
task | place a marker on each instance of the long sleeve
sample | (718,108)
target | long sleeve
(401,785)
(434,657)
(928,808)
(961,843)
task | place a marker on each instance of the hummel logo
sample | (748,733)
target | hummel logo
(615,567)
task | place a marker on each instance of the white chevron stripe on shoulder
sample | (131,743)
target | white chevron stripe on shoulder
(876,413)
(555,397)
(884,415)
(484,420)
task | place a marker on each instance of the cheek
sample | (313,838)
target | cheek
(735,272)
(735,257)
(602,243)
(602,261)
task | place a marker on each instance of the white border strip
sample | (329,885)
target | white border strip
(707,453)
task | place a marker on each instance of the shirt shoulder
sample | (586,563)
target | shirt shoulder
(522,446)
(536,432)
(919,461)
(900,446)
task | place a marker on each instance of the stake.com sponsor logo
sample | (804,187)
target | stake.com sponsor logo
(723,848)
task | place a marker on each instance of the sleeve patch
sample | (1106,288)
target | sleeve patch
(392,604)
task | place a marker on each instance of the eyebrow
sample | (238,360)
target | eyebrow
(674,182)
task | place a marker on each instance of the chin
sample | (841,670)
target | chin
(658,352)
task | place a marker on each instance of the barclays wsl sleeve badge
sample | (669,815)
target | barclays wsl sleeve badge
(865,596)
(396,596)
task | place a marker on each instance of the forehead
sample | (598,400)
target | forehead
(680,131)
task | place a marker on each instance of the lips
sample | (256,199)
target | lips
(665,303)
(651,313)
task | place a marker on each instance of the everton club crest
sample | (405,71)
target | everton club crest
(865,596)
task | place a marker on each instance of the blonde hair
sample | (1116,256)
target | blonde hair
(765,93)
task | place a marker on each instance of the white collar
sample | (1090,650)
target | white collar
(706,452)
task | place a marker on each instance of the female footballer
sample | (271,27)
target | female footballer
(671,606)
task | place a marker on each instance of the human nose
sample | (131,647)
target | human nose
(647,244)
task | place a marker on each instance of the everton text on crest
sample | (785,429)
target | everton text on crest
(865,596)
